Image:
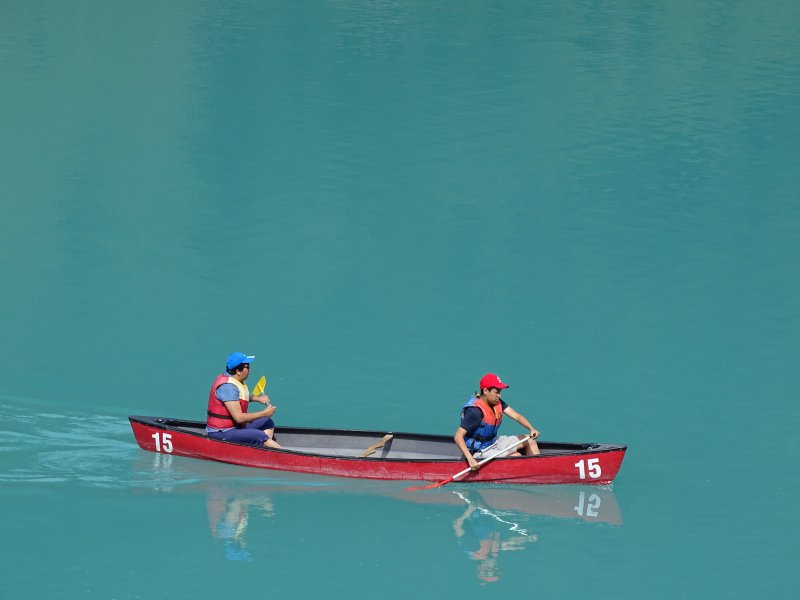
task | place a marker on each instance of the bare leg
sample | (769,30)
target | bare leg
(271,443)
(530,448)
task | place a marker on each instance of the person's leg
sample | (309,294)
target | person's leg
(254,437)
(530,448)
(267,425)
(504,442)
(264,424)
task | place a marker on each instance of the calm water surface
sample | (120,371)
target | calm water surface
(383,201)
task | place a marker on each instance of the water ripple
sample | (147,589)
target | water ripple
(48,447)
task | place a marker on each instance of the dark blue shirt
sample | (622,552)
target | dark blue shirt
(473,416)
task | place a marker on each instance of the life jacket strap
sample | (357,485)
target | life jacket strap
(213,414)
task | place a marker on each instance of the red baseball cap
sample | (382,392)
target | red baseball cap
(490,380)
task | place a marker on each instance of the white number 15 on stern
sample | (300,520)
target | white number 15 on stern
(164,442)
(591,465)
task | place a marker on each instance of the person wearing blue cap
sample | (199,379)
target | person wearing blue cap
(228,401)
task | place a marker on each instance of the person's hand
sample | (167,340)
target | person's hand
(263,398)
(269,411)
(473,464)
(534,433)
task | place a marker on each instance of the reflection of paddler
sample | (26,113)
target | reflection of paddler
(228,519)
(476,533)
(478,537)
(479,534)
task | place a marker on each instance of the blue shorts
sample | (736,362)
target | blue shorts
(250,433)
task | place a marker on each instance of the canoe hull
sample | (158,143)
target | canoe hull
(588,464)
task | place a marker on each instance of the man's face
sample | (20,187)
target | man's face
(493,395)
(244,371)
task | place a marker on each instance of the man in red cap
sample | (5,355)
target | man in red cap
(481,416)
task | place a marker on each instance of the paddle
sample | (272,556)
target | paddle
(259,389)
(379,444)
(431,486)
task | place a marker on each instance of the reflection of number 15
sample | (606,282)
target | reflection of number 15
(588,508)
(593,465)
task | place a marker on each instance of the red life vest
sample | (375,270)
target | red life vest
(218,415)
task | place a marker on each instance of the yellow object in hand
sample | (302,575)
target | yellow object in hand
(259,389)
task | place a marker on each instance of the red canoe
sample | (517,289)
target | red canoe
(400,456)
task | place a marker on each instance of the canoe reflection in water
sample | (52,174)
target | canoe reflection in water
(484,520)
(490,523)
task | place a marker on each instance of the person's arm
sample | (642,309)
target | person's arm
(229,395)
(263,399)
(462,445)
(522,421)
(458,524)
(240,418)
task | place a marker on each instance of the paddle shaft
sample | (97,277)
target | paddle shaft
(488,458)
(468,469)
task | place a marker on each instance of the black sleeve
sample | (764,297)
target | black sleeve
(471,419)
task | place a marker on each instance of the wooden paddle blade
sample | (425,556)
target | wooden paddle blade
(259,389)
(379,444)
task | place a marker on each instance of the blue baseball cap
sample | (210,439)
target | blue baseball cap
(237,358)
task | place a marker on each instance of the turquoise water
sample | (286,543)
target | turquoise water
(383,201)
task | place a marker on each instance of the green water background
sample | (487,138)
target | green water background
(383,201)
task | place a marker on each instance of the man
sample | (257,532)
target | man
(228,400)
(480,419)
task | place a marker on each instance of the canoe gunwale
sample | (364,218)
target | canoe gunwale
(197,429)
